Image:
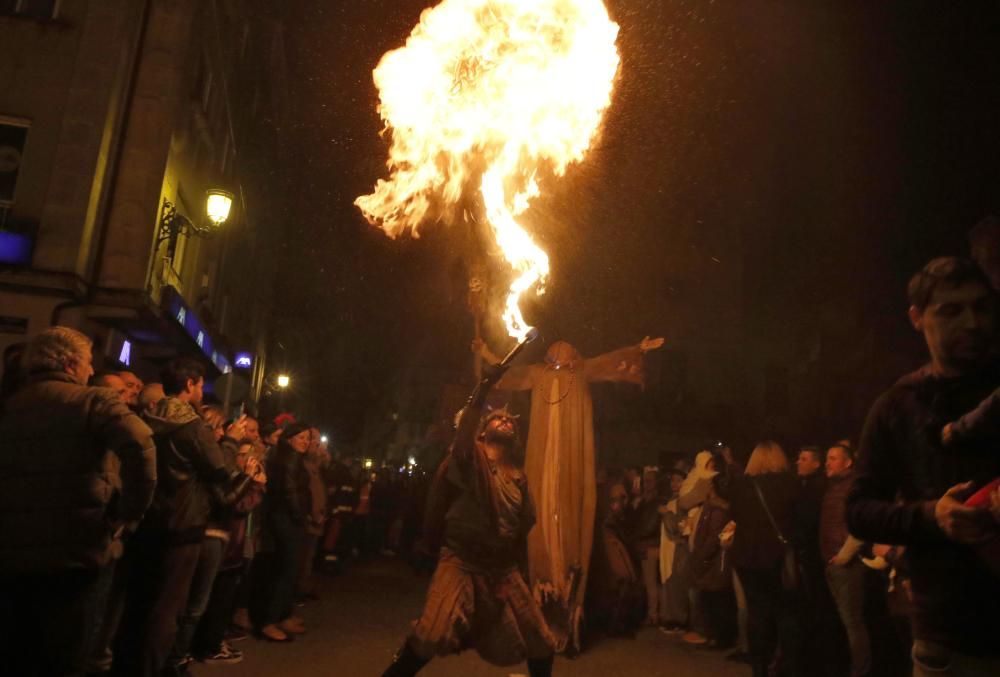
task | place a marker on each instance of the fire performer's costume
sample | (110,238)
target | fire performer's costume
(560,468)
(478,597)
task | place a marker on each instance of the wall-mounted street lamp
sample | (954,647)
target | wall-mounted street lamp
(218,204)
(283,381)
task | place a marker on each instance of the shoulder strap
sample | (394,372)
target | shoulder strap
(767,511)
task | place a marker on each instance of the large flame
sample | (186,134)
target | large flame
(489,92)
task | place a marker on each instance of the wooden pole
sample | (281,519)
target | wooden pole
(477,304)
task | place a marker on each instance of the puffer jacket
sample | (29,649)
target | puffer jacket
(193,472)
(76,465)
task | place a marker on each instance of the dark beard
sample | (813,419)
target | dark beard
(500,439)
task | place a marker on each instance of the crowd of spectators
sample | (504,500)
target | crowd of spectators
(867,560)
(147,529)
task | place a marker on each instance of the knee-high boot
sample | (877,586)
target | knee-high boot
(540,667)
(405,663)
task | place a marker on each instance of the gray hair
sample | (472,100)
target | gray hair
(54,348)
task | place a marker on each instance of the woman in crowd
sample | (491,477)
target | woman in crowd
(287,509)
(758,553)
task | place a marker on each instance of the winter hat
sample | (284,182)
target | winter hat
(293,429)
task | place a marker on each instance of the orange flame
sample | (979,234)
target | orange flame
(492,91)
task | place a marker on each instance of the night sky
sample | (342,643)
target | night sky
(769,175)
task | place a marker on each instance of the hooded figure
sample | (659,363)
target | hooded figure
(559,463)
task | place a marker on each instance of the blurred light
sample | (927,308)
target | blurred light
(413,461)
(368,463)
(284,381)
(125,356)
(218,205)
(324,439)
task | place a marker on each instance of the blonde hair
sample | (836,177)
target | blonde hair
(54,348)
(767,457)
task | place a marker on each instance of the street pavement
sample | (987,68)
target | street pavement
(364,614)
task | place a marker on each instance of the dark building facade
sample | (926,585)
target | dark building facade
(118,119)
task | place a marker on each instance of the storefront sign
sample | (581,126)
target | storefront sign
(194,328)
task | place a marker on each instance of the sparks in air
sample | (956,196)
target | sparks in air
(485,95)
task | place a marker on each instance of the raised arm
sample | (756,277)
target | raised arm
(624,365)
(467,463)
(519,377)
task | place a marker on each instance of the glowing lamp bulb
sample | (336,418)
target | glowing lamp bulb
(324,439)
(218,205)
(284,381)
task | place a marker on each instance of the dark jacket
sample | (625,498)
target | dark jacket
(226,508)
(709,563)
(645,526)
(833,518)
(288,485)
(902,471)
(192,472)
(75,465)
(806,522)
(343,489)
(756,545)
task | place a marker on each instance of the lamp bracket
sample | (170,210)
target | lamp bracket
(173,223)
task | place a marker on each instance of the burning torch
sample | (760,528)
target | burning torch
(494,372)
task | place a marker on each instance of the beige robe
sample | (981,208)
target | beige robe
(559,463)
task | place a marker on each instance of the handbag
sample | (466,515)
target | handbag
(791,570)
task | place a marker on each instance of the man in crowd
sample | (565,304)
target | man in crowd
(114,382)
(809,463)
(910,489)
(149,397)
(165,551)
(134,385)
(813,608)
(62,513)
(251,430)
(812,486)
(845,573)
